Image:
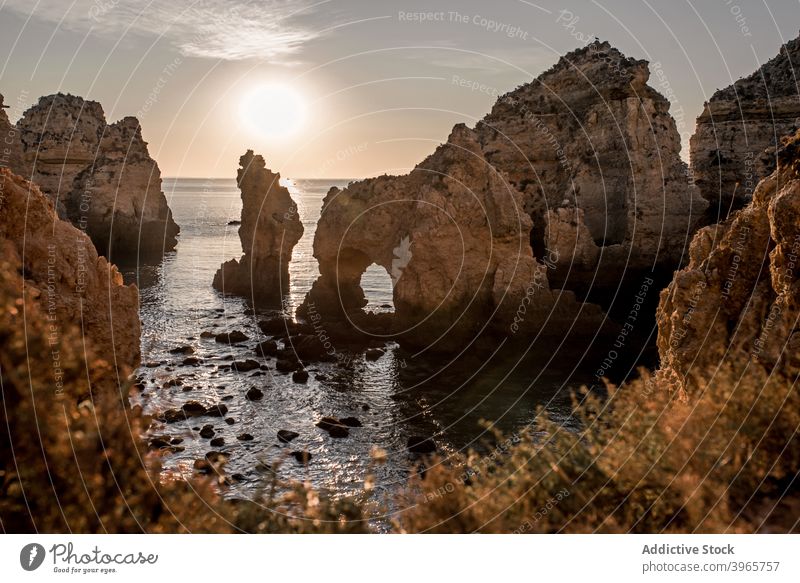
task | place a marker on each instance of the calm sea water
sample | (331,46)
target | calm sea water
(394,397)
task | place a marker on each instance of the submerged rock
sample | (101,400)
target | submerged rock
(100,176)
(233,337)
(418,444)
(339,431)
(739,297)
(285,435)
(334,427)
(254,394)
(267,348)
(734,145)
(300,376)
(269,231)
(285,365)
(327,422)
(350,422)
(244,365)
(192,409)
(302,457)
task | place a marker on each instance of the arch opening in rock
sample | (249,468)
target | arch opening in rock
(378,289)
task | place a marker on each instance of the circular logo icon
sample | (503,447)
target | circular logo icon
(31,556)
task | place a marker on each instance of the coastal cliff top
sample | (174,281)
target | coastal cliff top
(778,77)
(578,79)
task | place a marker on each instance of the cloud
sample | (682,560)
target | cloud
(214,29)
(530,59)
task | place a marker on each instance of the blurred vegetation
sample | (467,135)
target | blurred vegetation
(646,461)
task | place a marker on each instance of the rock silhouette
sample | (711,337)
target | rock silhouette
(269,230)
(100,176)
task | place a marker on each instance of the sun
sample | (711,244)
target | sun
(273,110)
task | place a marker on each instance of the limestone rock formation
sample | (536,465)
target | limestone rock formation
(734,145)
(572,185)
(455,238)
(739,296)
(269,231)
(11,155)
(596,155)
(101,177)
(62,271)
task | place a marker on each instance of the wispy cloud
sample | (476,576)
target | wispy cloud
(531,59)
(218,29)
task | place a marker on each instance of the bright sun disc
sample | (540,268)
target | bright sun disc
(273,111)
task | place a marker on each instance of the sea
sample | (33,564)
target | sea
(458,402)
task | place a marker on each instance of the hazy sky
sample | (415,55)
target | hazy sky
(381,85)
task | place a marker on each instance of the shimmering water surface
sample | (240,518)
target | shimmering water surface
(395,397)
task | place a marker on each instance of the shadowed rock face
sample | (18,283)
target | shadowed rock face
(454,237)
(269,231)
(734,145)
(99,176)
(596,155)
(72,284)
(740,294)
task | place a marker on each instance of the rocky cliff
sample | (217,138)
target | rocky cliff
(596,155)
(11,155)
(101,177)
(61,270)
(573,184)
(739,296)
(269,231)
(455,239)
(734,145)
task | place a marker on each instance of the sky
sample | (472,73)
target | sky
(358,88)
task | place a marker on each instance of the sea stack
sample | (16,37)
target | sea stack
(100,177)
(269,230)
(62,271)
(734,145)
(739,296)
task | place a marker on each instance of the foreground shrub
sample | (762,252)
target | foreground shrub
(645,461)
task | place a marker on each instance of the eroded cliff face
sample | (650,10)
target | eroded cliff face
(11,155)
(596,155)
(739,297)
(734,145)
(573,184)
(269,231)
(455,239)
(62,272)
(100,177)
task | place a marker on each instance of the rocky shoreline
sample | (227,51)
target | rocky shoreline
(521,229)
